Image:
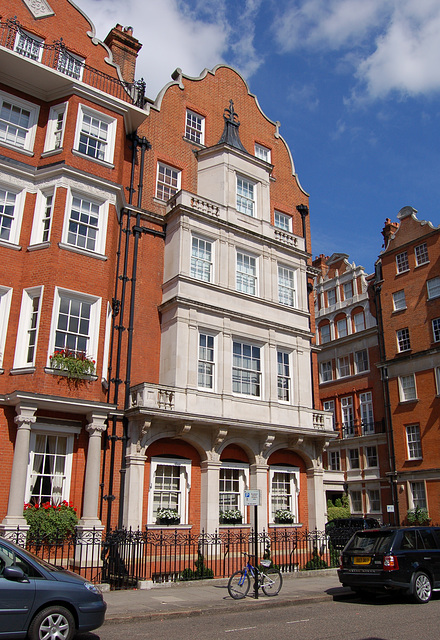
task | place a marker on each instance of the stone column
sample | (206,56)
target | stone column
(24,419)
(258,480)
(209,518)
(135,473)
(95,429)
(316,498)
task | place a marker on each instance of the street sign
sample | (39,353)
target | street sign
(252,497)
(390,508)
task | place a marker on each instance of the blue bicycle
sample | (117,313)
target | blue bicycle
(269,579)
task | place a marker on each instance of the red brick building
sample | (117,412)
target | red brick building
(350,387)
(66,160)
(408,296)
(156,337)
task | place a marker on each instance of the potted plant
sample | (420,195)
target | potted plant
(50,522)
(418,516)
(75,363)
(167,516)
(231,516)
(284,516)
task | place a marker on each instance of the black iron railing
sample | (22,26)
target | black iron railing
(124,557)
(56,56)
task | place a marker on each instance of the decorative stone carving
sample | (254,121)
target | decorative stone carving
(219,438)
(39,8)
(182,430)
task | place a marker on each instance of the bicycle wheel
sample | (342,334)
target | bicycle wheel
(272,581)
(238,585)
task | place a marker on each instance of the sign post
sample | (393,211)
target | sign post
(253,497)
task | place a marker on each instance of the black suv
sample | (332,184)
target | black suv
(340,530)
(393,558)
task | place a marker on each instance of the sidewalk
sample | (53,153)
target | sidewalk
(206,596)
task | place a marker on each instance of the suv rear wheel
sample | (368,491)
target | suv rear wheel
(422,589)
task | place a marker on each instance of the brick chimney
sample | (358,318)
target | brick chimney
(124,48)
(388,230)
(320,262)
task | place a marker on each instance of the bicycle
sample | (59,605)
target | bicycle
(270,580)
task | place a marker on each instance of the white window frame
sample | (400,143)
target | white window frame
(399,302)
(185,485)
(355,500)
(5,308)
(86,133)
(28,45)
(334,461)
(354,460)
(202,250)
(359,321)
(28,327)
(30,129)
(168,180)
(413,442)
(403,340)
(251,353)
(371,457)
(68,432)
(402,264)
(326,370)
(329,405)
(101,228)
(407,388)
(42,223)
(206,357)
(421,254)
(366,412)
(94,320)
(194,127)
(331,293)
(342,324)
(16,218)
(417,494)
(243,483)
(70,65)
(374,501)
(344,367)
(361,363)
(433,287)
(436,329)
(56,127)
(284,376)
(294,486)
(348,290)
(107,336)
(283,221)
(246,276)
(246,196)
(323,338)
(347,416)
(286,286)
(262,152)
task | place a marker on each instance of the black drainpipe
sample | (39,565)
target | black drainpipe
(377,287)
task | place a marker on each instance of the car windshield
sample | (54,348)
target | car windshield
(371,541)
(40,561)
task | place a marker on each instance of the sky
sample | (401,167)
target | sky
(354,83)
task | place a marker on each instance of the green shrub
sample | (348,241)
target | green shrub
(418,516)
(340,509)
(49,522)
(200,571)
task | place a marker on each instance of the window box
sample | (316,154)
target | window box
(76,363)
(231,516)
(284,516)
(167,517)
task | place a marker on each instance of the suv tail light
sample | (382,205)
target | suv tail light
(390,563)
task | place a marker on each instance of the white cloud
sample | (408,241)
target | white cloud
(190,34)
(396,45)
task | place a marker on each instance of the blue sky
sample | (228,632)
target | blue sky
(354,83)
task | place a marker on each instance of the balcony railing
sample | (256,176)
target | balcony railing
(56,56)
(356,428)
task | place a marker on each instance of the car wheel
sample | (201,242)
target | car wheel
(422,589)
(52,623)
